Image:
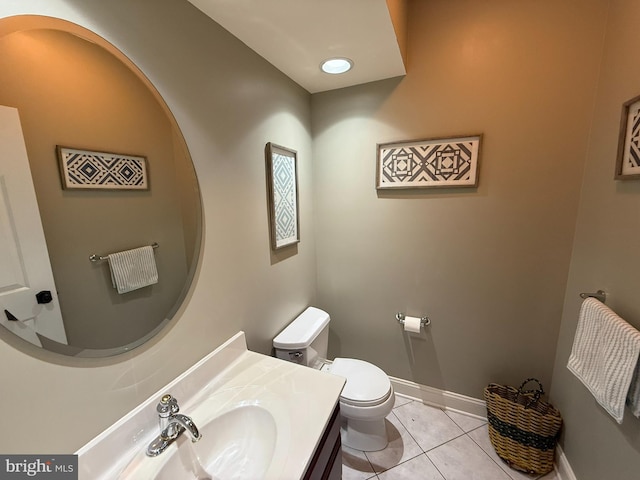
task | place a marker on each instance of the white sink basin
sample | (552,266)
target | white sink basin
(238,444)
(260,418)
(245,435)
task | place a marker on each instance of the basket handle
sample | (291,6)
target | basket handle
(537,393)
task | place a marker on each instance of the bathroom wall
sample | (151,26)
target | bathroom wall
(73,93)
(229,103)
(488,265)
(605,256)
(399,17)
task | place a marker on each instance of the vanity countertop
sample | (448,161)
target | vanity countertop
(300,400)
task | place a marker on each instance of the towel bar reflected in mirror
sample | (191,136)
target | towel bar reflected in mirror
(97,258)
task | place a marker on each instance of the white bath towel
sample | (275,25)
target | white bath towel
(133,269)
(604,355)
(633,397)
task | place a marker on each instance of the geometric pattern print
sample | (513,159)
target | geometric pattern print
(97,170)
(632,155)
(284,196)
(427,163)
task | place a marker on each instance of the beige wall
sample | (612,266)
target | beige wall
(73,93)
(229,103)
(487,265)
(605,256)
(399,17)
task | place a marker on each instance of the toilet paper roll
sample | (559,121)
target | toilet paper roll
(411,324)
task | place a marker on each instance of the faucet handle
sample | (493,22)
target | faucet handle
(168,406)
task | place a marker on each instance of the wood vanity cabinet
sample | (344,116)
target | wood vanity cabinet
(326,463)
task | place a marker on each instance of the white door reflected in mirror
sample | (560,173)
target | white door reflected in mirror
(25,268)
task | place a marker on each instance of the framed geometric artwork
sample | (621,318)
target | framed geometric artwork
(431,163)
(282,185)
(89,170)
(628,159)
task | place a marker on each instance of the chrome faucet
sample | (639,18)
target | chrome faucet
(172,424)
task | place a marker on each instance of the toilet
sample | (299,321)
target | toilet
(367,397)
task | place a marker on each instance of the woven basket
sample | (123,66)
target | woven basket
(523,429)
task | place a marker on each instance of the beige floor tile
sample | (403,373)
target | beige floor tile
(355,465)
(552,475)
(419,467)
(400,400)
(463,459)
(465,421)
(451,455)
(429,426)
(401,448)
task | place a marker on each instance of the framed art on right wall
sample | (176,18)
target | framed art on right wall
(628,160)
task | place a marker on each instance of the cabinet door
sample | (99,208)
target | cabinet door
(327,460)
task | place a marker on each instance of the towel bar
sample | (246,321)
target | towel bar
(599,295)
(97,258)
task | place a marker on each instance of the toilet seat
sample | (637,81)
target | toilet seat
(366,386)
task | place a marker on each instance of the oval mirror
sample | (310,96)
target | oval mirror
(111,172)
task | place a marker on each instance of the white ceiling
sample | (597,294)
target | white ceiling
(297,35)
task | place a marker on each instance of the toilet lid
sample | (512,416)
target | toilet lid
(366,384)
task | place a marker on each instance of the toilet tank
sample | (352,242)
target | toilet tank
(306,339)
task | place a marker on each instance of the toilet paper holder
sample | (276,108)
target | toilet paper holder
(424,321)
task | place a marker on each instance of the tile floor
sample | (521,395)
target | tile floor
(429,443)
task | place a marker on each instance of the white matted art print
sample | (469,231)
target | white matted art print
(90,170)
(282,185)
(628,160)
(431,163)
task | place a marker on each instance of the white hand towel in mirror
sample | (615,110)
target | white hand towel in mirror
(133,269)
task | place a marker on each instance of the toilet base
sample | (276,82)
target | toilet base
(364,435)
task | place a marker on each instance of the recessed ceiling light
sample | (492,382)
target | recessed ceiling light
(336,66)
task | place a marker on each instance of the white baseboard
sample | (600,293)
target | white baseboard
(440,398)
(468,405)
(563,469)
